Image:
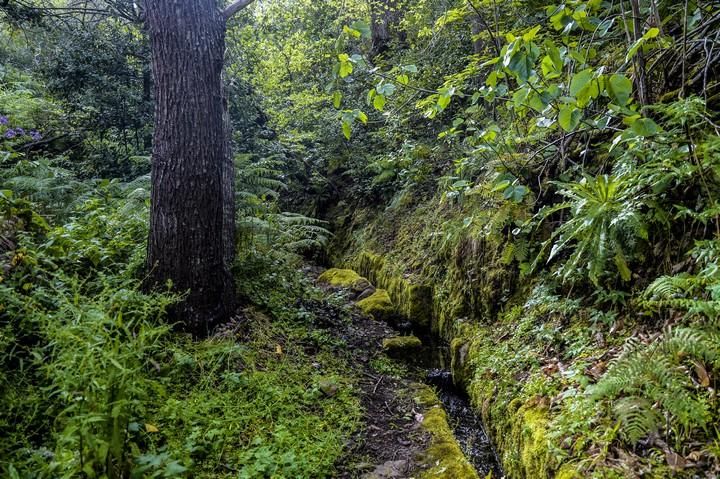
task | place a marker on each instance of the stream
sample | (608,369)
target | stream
(433,365)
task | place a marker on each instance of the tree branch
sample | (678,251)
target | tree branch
(235,7)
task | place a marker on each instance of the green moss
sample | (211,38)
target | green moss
(378,305)
(400,344)
(534,442)
(413,301)
(569,471)
(344,278)
(444,458)
(459,361)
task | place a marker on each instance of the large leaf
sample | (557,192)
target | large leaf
(580,81)
(569,117)
(619,87)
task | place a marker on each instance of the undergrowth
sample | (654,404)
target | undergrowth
(96,383)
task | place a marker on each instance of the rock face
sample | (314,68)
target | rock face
(400,344)
(378,305)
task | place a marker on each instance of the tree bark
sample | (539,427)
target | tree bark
(191,177)
(385,16)
(639,59)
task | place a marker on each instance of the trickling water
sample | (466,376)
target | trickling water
(434,364)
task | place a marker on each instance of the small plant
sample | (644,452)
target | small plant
(605,224)
(662,385)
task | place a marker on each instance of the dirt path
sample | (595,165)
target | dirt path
(392,437)
(404,425)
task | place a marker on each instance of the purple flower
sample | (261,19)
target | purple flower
(10,134)
(19,131)
(35,135)
(3,120)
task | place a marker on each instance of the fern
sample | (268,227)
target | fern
(638,417)
(649,382)
(44,183)
(697,294)
(258,222)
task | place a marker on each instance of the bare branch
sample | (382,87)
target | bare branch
(235,7)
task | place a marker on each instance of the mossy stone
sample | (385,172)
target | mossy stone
(444,458)
(344,278)
(378,305)
(569,471)
(401,344)
(413,301)
(459,363)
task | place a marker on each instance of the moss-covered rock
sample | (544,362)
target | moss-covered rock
(523,443)
(401,344)
(459,361)
(443,459)
(412,300)
(378,305)
(344,278)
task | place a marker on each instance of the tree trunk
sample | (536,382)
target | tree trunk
(385,16)
(187,245)
(641,84)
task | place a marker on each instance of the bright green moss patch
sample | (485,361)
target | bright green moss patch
(344,278)
(569,471)
(444,458)
(400,344)
(378,305)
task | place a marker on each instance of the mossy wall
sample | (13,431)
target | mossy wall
(443,459)
(455,282)
(413,301)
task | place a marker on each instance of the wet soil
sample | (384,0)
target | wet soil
(391,439)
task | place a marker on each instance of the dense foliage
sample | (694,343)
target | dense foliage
(552,171)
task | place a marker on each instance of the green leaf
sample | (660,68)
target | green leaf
(501,185)
(346,66)
(379,102)
(619,87)
(516,193)
(530,36)
(445,96)
(622,267)
(589,93)
(403,79)
(569,117)
(346,129)
(361,27)
(651,33)
(550,69)
(337,99)
(645,127)
(410,68)
(352,32)
(362,117)
(580,80)
(387,89)
(521,64)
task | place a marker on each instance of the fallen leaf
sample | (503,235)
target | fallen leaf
(674,460)
(702,374)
